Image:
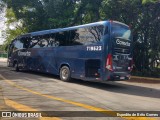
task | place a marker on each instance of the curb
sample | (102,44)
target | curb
(144,80)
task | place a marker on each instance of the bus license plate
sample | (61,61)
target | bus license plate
(122,78)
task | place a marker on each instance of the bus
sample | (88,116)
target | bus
(100,51)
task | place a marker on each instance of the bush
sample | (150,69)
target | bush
(3,55)
(147,73)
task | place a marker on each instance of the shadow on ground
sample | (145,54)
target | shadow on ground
(107,86)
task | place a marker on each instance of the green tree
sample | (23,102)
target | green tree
(141,15)
(14,28)
(144,17)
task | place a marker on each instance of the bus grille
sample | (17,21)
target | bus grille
(122,50)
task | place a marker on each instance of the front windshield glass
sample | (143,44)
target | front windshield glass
(121,31)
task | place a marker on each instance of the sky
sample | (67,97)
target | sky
(2,25)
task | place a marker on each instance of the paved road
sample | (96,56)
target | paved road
(28,91)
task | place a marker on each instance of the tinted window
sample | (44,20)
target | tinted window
(81,36)
(49,40)
(94,34)
(122,31)
(26,41)
(35,42)
(62,38)
(52,40)
(73,38)
(17,44)
(86,36)
(44,40)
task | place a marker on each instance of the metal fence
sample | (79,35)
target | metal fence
(3,55)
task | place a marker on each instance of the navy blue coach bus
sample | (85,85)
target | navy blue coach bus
(96,51)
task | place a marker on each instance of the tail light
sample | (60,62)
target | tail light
(109,62)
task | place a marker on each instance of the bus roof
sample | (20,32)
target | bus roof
(45,32)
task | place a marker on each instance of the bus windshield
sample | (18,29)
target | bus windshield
(121,31)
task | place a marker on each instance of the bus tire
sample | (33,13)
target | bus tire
(16,68)
(65,74)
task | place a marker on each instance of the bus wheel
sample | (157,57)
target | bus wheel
(65,74)
(16,68)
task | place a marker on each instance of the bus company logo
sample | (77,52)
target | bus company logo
(119,42)
(24,53)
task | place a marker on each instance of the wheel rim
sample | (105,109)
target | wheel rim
(64,74)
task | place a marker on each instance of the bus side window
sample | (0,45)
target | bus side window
(41,41)
(62,38)
(17,45)
(34,42)
(47,40)
(94,34)
(88,35)
(53,42)
(26,42)
(79,36)
(74,38)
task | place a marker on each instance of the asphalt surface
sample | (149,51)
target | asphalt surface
(32,91)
